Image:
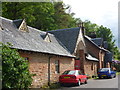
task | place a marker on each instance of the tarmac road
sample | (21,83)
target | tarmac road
(98,84)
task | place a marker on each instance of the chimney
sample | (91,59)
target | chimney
(92,34)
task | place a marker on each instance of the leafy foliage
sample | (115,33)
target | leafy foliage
(43,15)
(90,27)
(62,18)
(15,72)
(106,34)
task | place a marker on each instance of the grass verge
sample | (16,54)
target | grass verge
(117,73)
(52,86)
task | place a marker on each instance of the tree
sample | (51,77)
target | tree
(38,15)
(106,34)
(43,16)
(15,72)
(116,53)
(90,27)
(62,18)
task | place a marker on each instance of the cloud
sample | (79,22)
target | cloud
(101,12)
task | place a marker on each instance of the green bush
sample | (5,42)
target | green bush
(117,66)
(15,72)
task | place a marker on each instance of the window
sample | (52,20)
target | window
(57,69)
(69,72)
(104,69)
(92,66)
(27,59)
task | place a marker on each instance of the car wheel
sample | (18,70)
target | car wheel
(86,81)
(78,83)
(61,84)
(114,75)
(99,77)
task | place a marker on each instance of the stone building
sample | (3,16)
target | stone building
(97,52)
(47,56)
(51,53)
(86,51)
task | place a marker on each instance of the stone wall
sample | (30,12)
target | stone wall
(90,67)
(38,65)
(96,52)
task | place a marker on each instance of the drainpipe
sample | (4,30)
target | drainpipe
(100,59)
(49,70)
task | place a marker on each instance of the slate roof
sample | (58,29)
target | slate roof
(68,37)
(32,40)
(89,39)
(108,56)
(105,44)
(97,41)
(17,22)
(100,42)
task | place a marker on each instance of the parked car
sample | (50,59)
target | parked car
(72,77)
(106,73)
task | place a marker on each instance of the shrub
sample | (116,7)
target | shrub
(15,72)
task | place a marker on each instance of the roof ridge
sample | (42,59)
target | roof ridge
(91,41)
(36,29)
(6,19)
(64,29)
(21,19)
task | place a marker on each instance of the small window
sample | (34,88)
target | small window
(57,68)
(69,72)
(92,66)
(27,59)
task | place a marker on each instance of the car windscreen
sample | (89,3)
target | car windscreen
(104,69)
(69,73)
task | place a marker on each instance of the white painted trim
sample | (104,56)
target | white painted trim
(80,40)
(22,25)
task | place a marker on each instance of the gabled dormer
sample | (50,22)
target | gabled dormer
(21,25)
(47,38)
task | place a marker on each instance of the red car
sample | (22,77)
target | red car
(73,76)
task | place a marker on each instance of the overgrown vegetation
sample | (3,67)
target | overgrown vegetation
(15,72)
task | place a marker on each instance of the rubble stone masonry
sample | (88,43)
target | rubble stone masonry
(90,67)
(38,65)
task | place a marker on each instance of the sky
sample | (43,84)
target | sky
(101,12)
